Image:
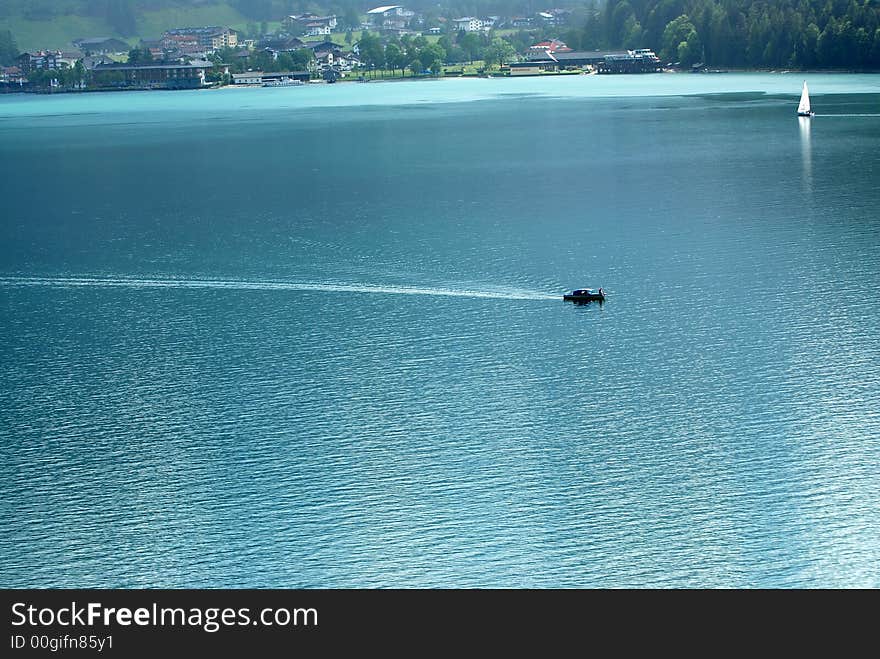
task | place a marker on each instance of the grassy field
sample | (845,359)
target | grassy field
(33,35)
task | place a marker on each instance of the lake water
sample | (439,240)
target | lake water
(314,337)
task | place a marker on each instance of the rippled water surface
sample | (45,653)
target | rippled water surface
(314,337)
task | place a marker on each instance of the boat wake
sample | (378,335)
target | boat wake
(874,114)
(269,285)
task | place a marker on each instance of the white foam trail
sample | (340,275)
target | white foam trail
(243,284)
(876,114)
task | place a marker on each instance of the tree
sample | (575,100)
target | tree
(8,48)
(121,17)
(470,43)
(809,41)
(79,74)
(874,59)
(394,57)
(676,32)
(415,66)
(633,34)
(139,56)
(622,18)
(429,54)
(757,33)
(862,47)
(301,58)
(499,51)
(690,50)
(284,62)
(371,51)
(350,19)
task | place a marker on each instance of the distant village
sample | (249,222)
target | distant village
(391,41)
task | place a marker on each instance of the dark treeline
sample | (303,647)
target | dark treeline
(742,33)
(8,48)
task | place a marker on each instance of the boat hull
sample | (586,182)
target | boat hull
(584,298)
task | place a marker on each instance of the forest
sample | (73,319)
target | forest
(807,34)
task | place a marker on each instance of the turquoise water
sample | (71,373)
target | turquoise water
(314,337)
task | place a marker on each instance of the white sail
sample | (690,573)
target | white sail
(804,106)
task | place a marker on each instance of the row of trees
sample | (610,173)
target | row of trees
(419,55)
(261,60)
(76,77)
(741,33)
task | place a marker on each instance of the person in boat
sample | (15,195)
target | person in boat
(601,291)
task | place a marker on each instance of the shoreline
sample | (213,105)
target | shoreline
(361,79)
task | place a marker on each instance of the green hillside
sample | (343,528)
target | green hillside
(56,33)
(152,24)
(33,30)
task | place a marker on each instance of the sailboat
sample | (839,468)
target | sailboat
(804,109)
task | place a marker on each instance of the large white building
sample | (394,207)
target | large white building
(468,24)
(209,38)
(387,17)
(312,24)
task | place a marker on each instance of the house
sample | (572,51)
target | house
(101,45)
(209,38)
(269,79)
(317,30)
(467,24)
(92,61)
(346,62)
(183,44)
(389,17)
(11,79)
(324,59)
(10,75)
(531,68)
(632,61)
(552,46)
(280,44)
(152,76)
(558,16)
(249,78)
(311,24)
(603,61)
(68,58)
(41,59)
(282,78)
(324,47)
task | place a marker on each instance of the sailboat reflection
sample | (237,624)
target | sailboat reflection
(806,152)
